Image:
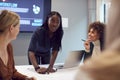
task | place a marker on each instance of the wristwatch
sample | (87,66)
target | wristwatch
(36,68)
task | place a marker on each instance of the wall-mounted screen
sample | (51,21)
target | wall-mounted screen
(32,12)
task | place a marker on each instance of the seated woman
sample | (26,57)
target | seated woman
(106,66)
(9,29)
(95,42)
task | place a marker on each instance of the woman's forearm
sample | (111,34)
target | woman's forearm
(33,59)
(53,58)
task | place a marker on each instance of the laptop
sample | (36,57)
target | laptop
(73,60)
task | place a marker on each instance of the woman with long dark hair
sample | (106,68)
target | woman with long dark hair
(46,43)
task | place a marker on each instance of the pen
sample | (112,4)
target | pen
(83,40)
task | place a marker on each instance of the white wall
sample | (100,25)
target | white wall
(77,13)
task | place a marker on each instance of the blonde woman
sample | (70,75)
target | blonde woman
(107,65)
(9,29)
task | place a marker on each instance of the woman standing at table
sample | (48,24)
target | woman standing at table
(9,29)
(46,43)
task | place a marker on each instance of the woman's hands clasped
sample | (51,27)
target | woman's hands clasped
(43,70)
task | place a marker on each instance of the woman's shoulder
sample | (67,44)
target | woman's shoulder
(40,30)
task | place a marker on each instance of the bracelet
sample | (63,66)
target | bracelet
(36,68)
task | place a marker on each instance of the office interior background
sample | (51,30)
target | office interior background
(78,14)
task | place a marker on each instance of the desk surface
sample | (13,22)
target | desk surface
(61,74)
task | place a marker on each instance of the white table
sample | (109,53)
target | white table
(61,74)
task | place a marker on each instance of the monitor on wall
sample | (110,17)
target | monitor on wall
(32,12)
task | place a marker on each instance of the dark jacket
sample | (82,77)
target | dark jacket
(87,55)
